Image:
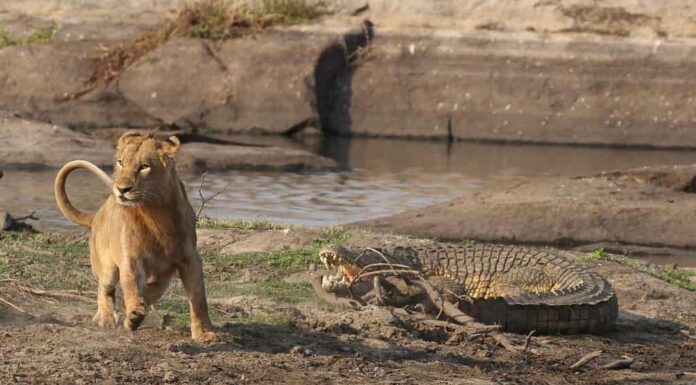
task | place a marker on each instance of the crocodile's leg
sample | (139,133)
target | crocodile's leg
(452,311)
(376,296)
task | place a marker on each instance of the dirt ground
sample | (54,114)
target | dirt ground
(274,329)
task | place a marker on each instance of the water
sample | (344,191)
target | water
(386,176)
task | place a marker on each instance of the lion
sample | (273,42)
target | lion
(143,234)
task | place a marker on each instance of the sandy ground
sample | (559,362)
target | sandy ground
(52,341)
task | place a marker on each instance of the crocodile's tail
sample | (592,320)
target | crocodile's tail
(590,309)
(524,289)
(64,205)
(581,301)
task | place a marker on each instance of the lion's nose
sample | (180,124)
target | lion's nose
(124,189)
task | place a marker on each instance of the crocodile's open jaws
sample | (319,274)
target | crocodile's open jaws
(346,271)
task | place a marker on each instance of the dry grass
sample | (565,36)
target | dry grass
(207,19)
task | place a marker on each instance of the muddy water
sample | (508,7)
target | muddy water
(383,177)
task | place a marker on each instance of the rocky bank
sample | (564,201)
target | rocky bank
(560,71)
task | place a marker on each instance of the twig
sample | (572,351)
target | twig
(380,272)
(30,216)
(528,340)
(623,363)
(204,200)
(379,253)
(64,294)
(200,193)
(12,305)
(650,378)
(224,311)
(59,294)
(505,342)
(360,10)
(687,334)
(585,359)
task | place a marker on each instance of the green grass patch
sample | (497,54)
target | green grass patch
(41,35)
(269,288)
(671,274)
(282,262)
(257,225)
(45,261)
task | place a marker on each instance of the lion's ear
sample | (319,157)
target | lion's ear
(171,146)
(127,138)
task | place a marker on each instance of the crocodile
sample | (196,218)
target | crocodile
(518,288)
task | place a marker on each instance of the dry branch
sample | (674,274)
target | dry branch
(12,305)
(206,200)
(527,341)
(505,342)
(623,363)
(585,359)
(58,294)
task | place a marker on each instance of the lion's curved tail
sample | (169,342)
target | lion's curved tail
(68,210)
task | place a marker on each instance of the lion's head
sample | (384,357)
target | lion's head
(144,168)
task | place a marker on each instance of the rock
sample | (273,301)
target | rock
(30,144)
(523,71)
(207,156)
(520,88)
(35,78)
(226,88)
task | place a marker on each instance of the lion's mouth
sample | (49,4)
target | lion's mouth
(127,200)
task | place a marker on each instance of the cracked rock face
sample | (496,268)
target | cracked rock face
(458,70)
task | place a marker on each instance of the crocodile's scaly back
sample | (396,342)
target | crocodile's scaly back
(521,288)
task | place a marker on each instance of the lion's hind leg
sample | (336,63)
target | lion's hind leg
(191,272)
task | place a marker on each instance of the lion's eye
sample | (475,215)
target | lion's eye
(144,167)
(120,162)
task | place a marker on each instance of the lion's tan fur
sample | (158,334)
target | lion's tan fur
(143,234)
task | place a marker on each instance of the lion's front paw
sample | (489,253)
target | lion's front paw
(105,319)
(134,318)
(204,336)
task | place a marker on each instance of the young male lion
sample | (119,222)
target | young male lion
(143,234)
